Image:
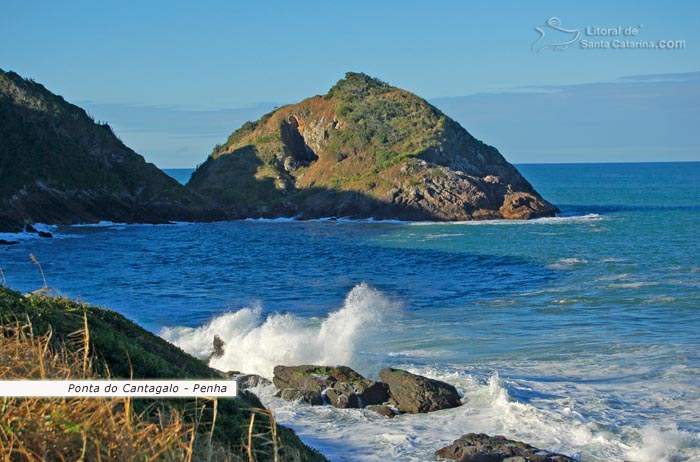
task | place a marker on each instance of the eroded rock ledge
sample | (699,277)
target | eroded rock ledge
(479,447)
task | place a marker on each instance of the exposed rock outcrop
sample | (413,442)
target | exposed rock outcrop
(365,149)
(415,394)
(475,447)
(338,386)
(383,410)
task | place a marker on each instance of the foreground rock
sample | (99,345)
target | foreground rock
(246,381)
(364,149)
(59,166)
(415,394)
(338,386)
(383,410)
(475,447)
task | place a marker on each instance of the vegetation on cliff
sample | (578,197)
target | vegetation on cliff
(59,166)
(365,149)
(122,349)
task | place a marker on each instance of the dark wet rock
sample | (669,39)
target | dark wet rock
(474,447)
(218,347)
(4,242)
(251,381)
(342,386)
(382,409)
(305,396)
(29,228)
(342,395)
(415,394)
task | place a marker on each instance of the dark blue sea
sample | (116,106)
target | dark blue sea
(580,333)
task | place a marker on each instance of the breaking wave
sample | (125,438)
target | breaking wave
(255,344)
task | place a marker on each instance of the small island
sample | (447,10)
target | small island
(365,149)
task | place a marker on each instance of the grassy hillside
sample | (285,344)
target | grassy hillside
(123,349)
(57,165)
(363,149)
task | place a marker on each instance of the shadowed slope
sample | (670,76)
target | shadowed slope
(58,166)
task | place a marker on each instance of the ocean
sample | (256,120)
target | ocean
(578,334)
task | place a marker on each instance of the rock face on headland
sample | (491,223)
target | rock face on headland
(475,447)
(58,166)
(365,149)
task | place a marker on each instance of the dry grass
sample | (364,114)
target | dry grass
(99,429)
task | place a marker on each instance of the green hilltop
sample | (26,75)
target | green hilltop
(364,149)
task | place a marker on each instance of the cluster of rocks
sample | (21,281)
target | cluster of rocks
(396,392)
(27,229)
(340,386)
(31,229)
(478,447)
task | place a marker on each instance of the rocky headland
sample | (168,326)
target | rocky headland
(59,166)
(364,150)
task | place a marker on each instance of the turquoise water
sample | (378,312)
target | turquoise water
(579,333)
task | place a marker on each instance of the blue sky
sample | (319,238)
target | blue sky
(174,78)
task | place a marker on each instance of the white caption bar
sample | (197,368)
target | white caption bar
(118,388)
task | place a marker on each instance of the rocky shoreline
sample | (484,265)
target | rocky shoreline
(397,392)
(366,149)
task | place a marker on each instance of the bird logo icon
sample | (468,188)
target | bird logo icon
(557,38)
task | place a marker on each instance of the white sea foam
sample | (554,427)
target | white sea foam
(566,263)
(442,235)
(591,217)
(100,224)
(572,412)
(669,444)
(120,225)
(25,236)
(360,435)
(255,344)
(632,285)
(273,220)
(298,219)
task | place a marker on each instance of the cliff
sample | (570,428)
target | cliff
(59,166)
(364,149)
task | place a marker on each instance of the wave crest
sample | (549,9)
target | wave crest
(254,344)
